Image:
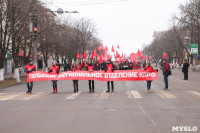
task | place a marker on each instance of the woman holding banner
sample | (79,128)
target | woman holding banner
(75,82)
(148,68)
(54,69)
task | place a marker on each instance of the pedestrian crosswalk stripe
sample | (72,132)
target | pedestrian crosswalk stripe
(73,96)
(10,96)
(168,94)
(104,95)
(129,94)
(193,93)
(32,96)
(159,94)
(136,94)
(40,96)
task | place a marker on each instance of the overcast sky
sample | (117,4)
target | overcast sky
(129,23)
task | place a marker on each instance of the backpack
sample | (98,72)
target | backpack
(169,72)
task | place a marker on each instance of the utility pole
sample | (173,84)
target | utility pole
(34,30)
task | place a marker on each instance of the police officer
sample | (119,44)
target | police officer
(110,67)
(54,69)
(28,69)
(90,68)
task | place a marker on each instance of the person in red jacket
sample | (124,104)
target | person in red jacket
(90,68)
(165,68)
(54,70)
(75,82)
(110,67)
(130,66)
(148,68)
(28,69)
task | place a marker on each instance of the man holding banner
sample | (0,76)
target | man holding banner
(90,68)
(28,69)
(110,68)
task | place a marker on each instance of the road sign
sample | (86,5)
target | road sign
(9,56)
(194,48)
(164,55)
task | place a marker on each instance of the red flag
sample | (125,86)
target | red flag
(100,58)
(94,53)
(105,50)
(112,49)
(124,57)
(117,54)
(134,57)
(140,54)
(84,55)
(105,57)
(118,46)
(100,47)
(78,55)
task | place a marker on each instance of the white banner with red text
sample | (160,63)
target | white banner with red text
(117,75)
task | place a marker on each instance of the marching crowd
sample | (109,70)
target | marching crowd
(91,66)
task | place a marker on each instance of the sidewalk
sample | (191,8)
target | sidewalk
(11,76)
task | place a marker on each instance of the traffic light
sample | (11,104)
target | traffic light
(35,28)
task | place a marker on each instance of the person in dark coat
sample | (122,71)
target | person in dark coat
(58,64)
(90,68)
(121,66)
(126,65)
(185,69)
(97,66)
(103,65)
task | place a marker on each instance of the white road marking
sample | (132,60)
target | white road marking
(195,93)
(73,96)
(141,108)
(160,95)
(12,96)
(32,96)
(136,94)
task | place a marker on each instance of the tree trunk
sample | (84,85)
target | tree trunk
(17,76)
(1,74)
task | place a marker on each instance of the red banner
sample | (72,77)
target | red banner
(117,75)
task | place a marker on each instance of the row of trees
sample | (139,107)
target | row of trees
(184,30)
(57,38)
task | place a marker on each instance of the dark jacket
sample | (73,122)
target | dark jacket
(97,66)
(90,67)
(67,67)
(186,65)
(103,66)
(121,66)
(165,67)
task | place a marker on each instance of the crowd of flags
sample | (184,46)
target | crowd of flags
(134,57)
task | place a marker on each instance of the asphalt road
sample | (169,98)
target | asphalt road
(130,109)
